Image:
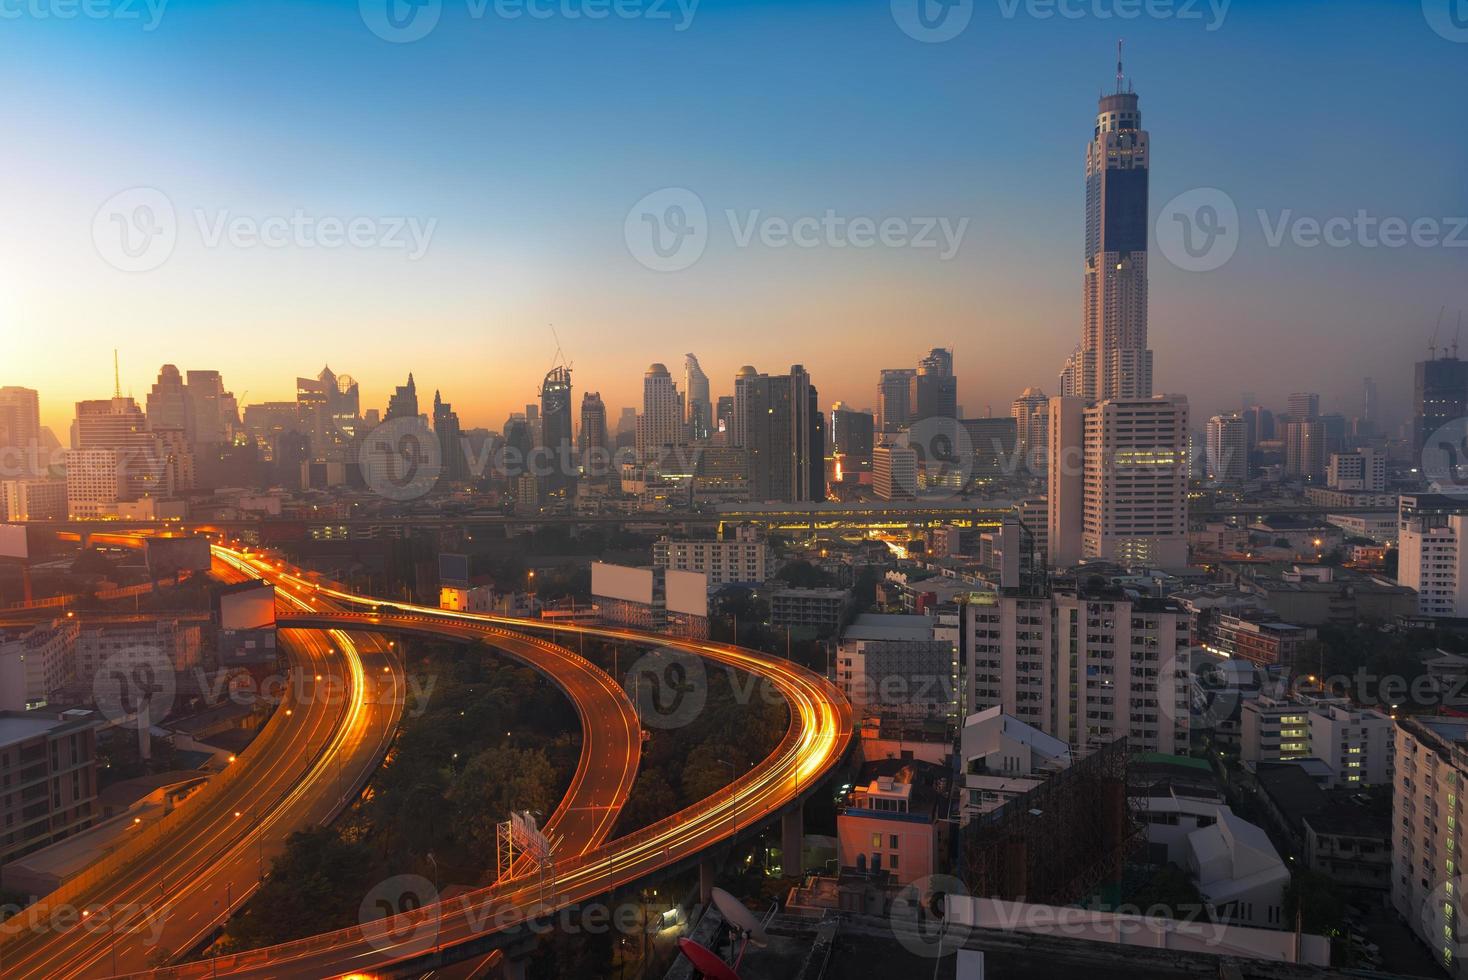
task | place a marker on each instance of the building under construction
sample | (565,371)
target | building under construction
(1058,842)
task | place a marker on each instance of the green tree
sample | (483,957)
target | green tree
(1318,899)
(492,784)
(315,886)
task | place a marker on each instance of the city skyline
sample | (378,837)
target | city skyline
(502,267)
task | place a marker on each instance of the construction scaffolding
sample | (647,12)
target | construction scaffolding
(1060,841)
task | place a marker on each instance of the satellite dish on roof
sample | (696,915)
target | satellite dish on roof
(706,961)
(737,915)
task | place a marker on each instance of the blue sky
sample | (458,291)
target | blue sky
(527,140)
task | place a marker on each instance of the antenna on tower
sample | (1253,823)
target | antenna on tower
(1119,75)
(560,354)
(1432,344)
(116,376)
(1457,334)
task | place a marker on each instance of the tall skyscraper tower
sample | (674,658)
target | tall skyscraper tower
(592,440)
(450,442)
(1228,449)
(558,458)
(786,438)
(404,401)
(742,381)
(894,398)
(661,421)
(1113,360)
(1439,396)
(934,388)
(700,408)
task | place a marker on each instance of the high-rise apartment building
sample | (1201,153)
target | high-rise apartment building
(115,458)
(894,398)
(1432,553)
(1031,414)
(661,423)
(453,459)
(1304,406)
(1113,360)
(1364,469)
(700,407)
(1228,449)
(852,438)
(48,766)
(934,388)
(1304,446)
(1429,808)
(785,438)
(1119,481)
(591,438)
(1085,665)
(742,381)
(894,472)
(20,418)
(1439,396)
(215,413)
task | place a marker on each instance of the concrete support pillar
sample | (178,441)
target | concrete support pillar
(706,873)
(514,967)
(792,835)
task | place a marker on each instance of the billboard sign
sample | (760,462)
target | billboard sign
(249,606)
(687,592)
(13,541)
(453,570)
(621,582)
(167,557)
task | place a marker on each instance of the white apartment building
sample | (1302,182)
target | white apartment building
(1273,730)
(894,472)
(1121,669)
(742,558)
(661,422)
(1087,669)
(33,499)
(35,662)
(1427,880)
(170,644)
(1009,657)
(1431,553)
(1228,449)
(1004,758)
(1119,481)
(1355,742)
(96,482)
(900,666)
(1364,469)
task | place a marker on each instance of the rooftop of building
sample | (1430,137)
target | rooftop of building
(18,726)
(890,626)
(1294,792)
(921,782)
